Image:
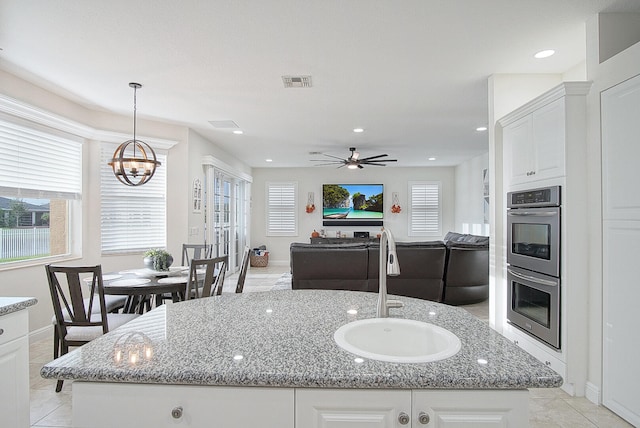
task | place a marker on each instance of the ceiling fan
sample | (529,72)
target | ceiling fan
(354,161)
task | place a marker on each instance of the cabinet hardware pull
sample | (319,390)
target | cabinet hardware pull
(177,412)
(423,418)
(403,418)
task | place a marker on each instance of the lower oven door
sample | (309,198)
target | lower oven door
(534,304)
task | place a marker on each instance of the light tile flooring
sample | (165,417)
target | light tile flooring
(548,407)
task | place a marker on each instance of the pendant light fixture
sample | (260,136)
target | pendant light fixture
(134,162)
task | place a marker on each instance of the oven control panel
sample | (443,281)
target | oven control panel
(544,197)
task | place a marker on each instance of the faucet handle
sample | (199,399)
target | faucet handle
(394,304)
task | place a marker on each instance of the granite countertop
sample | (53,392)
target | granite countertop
(285,339)
(14,304)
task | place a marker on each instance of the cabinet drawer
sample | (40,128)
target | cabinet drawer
(13,325)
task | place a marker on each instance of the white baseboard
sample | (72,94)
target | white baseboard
(43,333)
(592,392)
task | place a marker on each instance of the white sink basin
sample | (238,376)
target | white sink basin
(397,340)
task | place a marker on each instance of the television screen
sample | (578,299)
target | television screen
(352,204)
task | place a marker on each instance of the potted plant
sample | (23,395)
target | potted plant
(157,259)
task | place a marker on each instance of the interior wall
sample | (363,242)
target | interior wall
(469,196)
(311,180)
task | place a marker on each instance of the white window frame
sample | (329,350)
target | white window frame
(425,208)
(281,202)
(42,162)
(133,219)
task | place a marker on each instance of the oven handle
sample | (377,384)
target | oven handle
(534,214)
(533,279)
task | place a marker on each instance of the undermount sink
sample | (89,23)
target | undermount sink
(397,340)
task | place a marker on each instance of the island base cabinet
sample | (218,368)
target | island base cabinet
(343,408)
(472,409)
(359,408)
(14,370)
(98,405)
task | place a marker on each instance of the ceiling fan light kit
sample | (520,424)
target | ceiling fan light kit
(354,161)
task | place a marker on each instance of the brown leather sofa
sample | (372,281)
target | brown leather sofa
(466,274)
(427,269)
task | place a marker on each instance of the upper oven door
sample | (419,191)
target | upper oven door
(533,239)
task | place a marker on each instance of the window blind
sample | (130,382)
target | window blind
(37,164)
(132,219)
(424,215)
(281,209)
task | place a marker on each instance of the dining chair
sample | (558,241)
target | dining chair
(206,277)
(195,251)
(79,320)
(243,270)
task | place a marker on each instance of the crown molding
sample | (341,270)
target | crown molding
(37,115)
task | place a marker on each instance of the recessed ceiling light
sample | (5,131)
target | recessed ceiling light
(358,130)
(238,132)
(481,128)
(431,158)
(268,160)
(544,54)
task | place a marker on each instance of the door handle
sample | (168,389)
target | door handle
(533,279)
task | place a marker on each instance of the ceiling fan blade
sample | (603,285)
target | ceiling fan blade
(373,157)
(374,164)
(330,163)
(380,161)
(335,157)
(360,166)
(326,160)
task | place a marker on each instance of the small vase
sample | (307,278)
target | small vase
(153,264)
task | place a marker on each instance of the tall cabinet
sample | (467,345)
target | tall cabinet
(620,112)
(544,144)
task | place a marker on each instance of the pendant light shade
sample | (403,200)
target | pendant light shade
(134,162)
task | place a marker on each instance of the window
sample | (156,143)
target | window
(132,219)
(424,206)
(282,209)
(40,186)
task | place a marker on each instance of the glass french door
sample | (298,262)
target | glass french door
(229,217)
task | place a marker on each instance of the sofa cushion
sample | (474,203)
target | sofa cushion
(421,270)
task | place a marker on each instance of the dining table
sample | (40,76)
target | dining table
(146,288)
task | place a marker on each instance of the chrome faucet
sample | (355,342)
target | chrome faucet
(388,265)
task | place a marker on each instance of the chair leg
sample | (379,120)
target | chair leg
(59,386)
(56,342)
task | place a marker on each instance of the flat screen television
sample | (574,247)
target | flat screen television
(352,204)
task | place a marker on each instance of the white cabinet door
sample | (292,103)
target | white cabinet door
(344,408)
(473,409)
(621,232)
(534,145)
(97,405)
(14,370)
(549,140)
(519,153)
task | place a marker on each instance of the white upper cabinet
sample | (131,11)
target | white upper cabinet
(535,136)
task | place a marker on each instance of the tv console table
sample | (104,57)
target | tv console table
(342,240)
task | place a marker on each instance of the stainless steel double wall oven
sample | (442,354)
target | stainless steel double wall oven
(533,258)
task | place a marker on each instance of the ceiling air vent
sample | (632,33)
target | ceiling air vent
(296,81)
(223,124)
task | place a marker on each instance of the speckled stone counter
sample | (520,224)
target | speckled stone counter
(14,304)
(285,339)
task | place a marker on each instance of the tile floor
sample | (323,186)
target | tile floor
(548,407)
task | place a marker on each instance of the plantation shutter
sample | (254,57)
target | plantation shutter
(281,209)
(38,164)
(424,206)
(132,219)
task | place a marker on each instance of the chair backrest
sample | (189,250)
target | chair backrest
(70,306)
(195,251)
(206,276)
(243,270)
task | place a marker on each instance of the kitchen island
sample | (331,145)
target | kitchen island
(269,359)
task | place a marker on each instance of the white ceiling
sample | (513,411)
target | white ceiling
(412,73)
